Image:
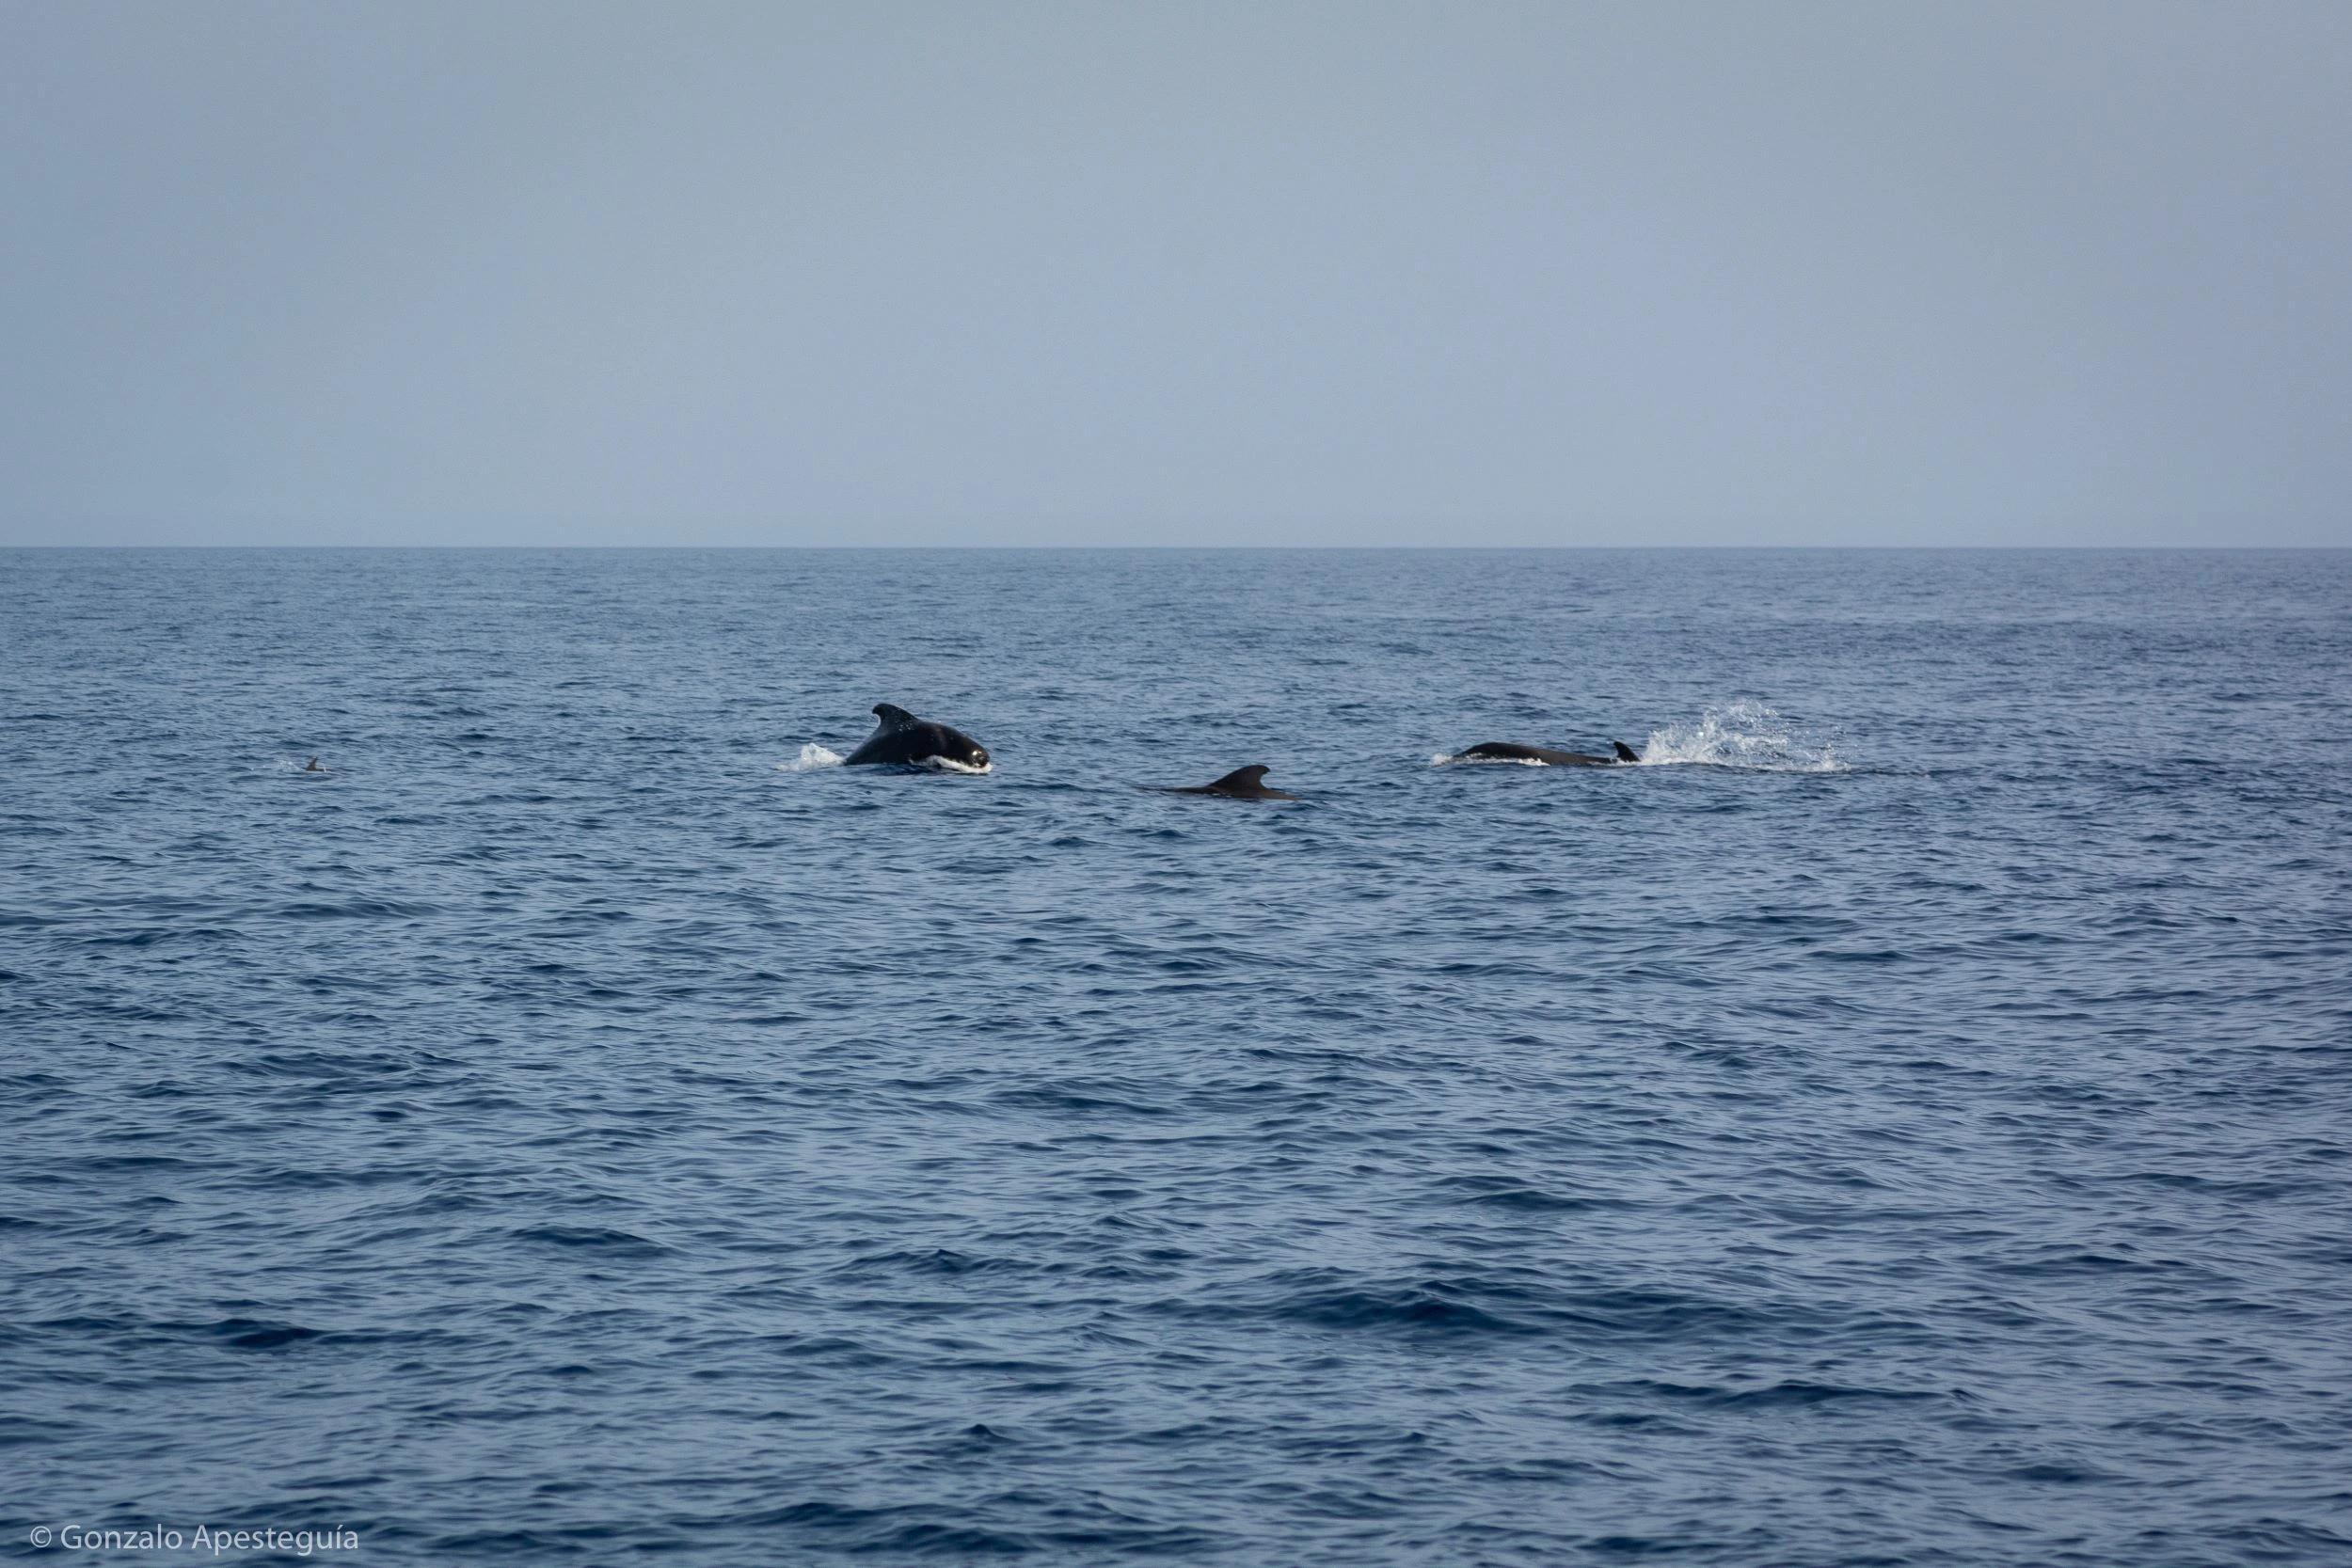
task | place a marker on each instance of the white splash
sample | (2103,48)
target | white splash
(812,756)
(1745,733)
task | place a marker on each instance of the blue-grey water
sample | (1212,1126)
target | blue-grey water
(1907,1121)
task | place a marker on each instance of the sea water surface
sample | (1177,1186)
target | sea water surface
(1907,1121)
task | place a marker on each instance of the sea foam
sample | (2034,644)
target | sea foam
(1744,733)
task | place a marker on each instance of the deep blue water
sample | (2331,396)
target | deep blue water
(1914,1130)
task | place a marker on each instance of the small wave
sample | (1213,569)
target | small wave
(1503,1191)
(1448,759)
(1746,734)
(357,909)
(623,1244)
(253,1334)
(1410,1309)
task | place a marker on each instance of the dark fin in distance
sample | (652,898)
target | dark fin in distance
(1625,752)
(1242,783)
(892,716)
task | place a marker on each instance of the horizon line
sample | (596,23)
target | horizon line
(1268,550)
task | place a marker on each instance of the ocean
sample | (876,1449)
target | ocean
(1906,1119)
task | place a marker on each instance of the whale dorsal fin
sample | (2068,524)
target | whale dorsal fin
(893,716)
(1251,777)
(1625,752)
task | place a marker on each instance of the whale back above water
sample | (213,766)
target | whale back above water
(901,738)
(1242,783)
(1506,750)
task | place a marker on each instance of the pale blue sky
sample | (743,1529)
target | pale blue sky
(1100,273)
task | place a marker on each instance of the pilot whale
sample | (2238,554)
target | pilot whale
(1504,751)
(1242,783)
(902,737)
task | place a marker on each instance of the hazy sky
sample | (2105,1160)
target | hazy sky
(1105,273)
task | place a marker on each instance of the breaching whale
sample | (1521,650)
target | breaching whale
(902,737)
(1242,783)
(1504,751)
